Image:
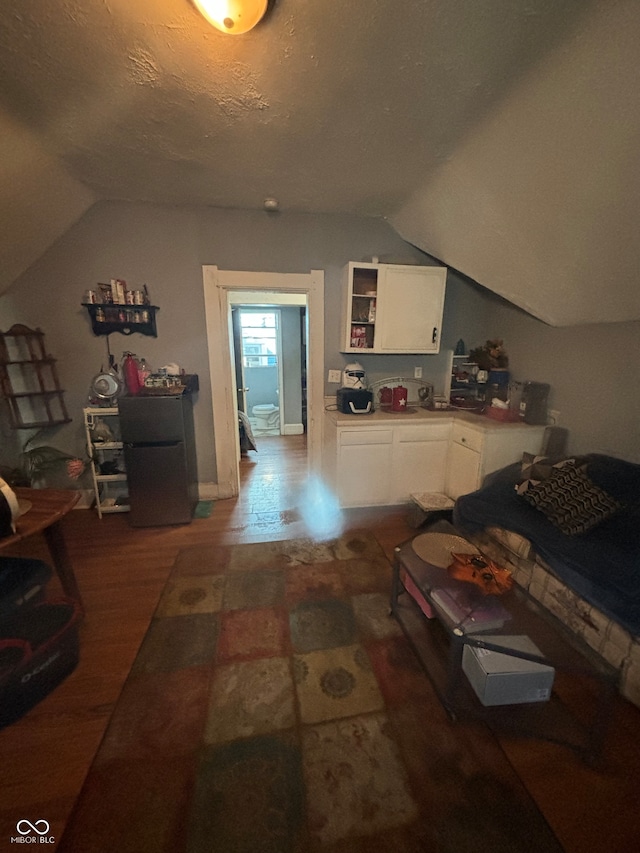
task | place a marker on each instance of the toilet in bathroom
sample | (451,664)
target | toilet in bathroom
(267,418)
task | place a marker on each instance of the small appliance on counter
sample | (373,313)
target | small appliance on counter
(354,401)
(354,398)
(533,405)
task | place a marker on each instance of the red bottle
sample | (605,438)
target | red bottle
(130,371)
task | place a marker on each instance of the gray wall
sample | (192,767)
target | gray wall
(291,365)
(166,247)
(593,374)
(591,370)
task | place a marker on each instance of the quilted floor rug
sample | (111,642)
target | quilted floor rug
(275,707)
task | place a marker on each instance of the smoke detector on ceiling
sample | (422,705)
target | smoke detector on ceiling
(271,204)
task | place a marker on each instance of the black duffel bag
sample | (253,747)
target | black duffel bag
(22,583)
(39,648)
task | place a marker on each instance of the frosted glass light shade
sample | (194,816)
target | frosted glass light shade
(232,16)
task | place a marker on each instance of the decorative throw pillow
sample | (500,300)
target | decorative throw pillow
(535,469)
(571,501)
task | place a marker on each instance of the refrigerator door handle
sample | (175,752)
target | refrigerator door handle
(134,444)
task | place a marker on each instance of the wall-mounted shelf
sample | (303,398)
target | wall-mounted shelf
(29,380)
(125,319)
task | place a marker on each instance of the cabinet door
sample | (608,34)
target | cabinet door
(410,305)
(364,467)
(419,459)
(463,470)
(503,448)
(418,466)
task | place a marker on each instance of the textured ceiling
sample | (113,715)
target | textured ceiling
(373,107)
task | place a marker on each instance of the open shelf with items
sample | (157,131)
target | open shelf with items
(29,380)
(464,382)
(364,293)
(102,427)
(126,319)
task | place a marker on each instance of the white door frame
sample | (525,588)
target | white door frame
(217,284)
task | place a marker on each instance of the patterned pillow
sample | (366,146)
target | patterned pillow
(571,501)
(536,469)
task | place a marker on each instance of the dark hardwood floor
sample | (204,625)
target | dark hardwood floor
(122,571)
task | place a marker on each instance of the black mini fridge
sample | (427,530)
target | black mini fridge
(160,457)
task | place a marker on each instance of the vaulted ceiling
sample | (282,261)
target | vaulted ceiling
(499,136)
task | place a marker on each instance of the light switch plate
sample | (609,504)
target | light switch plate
(417,373)
(335,376)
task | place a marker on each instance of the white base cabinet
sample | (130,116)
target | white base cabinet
(475,452)
(364,466)
(463,471)
(419,460)
(384,464)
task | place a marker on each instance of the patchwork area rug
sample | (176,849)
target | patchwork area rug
(275,707)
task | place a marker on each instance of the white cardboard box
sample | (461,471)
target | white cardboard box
(501,679)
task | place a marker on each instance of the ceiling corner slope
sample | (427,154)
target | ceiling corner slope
(552,280)
(39,200)
(541,203)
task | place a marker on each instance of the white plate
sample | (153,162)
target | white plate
(436,548)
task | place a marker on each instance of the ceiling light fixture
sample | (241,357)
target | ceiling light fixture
(233,16)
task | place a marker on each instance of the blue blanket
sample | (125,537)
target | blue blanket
(602,565)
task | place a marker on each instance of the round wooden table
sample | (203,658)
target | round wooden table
(48,508)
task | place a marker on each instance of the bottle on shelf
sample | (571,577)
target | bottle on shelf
(143,371)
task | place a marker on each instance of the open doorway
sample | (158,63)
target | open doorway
(257,344)
(269,342)
(269,289)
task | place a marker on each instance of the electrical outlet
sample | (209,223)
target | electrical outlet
(553,416)
(417,373)
(335,376)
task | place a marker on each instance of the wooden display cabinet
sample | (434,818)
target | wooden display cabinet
(29,380)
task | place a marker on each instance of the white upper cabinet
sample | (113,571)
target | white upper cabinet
(391,308)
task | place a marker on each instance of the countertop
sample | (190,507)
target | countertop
(419,415)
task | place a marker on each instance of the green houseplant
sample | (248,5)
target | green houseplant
(38,463)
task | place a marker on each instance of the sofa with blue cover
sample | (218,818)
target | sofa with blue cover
(569,530)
